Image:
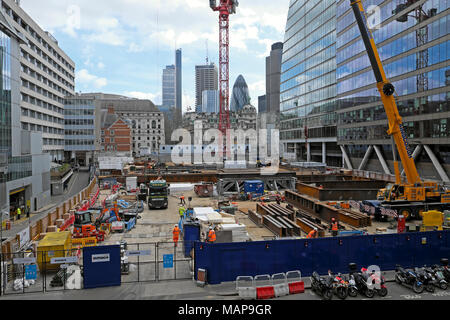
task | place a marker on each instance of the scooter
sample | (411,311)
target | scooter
(445,269)
(352,288)
(438,273)
(427,278)
(379,284)
(340,285)
(409,279)
(362,284)
(322,286)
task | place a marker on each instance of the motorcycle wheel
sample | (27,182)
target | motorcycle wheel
(443,285)
(369,293)
(418,288)
(328,294)
(383,292)
(397,279)
(352,292)
(430,288)
(342,293)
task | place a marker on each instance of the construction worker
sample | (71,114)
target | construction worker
(313,234)
(19,212)
(176,234)
(182,201)
(182,211)
(211,235)
(334,227)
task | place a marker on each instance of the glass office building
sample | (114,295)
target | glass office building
(308,83)
(80,129)
(413,42)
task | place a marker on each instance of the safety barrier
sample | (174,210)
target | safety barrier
(268,287)
(295,283)
(84,242)
(245,286)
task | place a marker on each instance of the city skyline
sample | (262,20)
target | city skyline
(124,50)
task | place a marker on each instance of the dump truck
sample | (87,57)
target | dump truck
(158,195)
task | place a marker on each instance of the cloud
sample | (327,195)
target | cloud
(87,80)
(155,98)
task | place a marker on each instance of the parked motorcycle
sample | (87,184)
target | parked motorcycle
(438,273)
(340,285)
(409,279)
(427,278)
(362,284)
(352,288)
(445,269)
(322,286)
(379,284)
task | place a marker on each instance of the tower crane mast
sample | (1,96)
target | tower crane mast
(225,8)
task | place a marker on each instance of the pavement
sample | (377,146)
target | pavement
(188,290)
(78,182)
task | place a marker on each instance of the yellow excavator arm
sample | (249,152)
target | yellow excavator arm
(387,91)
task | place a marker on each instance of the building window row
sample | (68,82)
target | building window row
(42,104)
(38,38)
(42,78)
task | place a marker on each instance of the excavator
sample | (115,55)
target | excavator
(409,199)
(85,226)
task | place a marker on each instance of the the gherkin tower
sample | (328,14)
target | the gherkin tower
(240,95)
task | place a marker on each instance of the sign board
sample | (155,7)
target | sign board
(31,272)
(24,237)
(117,226)
(168,261)
(138,253)
(24,260)
(64,260)
(100,258)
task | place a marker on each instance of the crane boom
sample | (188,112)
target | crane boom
(386,89)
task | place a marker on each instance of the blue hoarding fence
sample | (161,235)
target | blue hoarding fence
(225,262)
(101,266)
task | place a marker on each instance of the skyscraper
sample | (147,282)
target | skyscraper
(308,83)
(273,75)
(206,78)
(240,96)
(169,86)
(210,101)
(179,81)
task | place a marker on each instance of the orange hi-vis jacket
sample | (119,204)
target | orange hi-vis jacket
(212,236)
(176,233)
(312,234)
(334,226)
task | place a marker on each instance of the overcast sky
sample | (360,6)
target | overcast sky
(121,46)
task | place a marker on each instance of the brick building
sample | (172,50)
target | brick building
(116,134)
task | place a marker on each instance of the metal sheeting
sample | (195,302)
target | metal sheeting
(225,262)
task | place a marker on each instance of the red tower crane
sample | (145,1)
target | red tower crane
(225,8)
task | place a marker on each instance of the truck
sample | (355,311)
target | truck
(158,194)
(415,196)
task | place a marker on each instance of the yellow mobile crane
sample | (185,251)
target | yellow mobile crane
(416,196)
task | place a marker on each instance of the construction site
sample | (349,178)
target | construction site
(270,234)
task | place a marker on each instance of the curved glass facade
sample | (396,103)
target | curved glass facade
(240,96)
(415,52)
(308,77)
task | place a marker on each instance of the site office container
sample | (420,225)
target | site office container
(254,186)
(54,245)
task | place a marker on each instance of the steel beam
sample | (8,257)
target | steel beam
(437,165)
(366,158)
(346,158)
(382,161)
